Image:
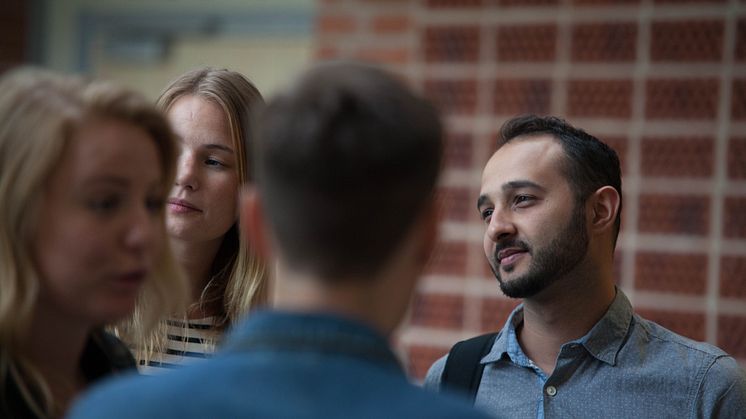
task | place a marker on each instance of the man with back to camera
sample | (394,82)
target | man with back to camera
(346,163)
(551,200)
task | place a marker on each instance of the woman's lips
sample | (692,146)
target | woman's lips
(180,206)
(132,279)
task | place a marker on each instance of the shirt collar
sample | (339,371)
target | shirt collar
(603,341)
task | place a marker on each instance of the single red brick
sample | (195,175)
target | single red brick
(689,324)
(674,214)
(422,357)
(337,24)
(678,157)
(688,40)
(527,42)
(384,56)
(448,258)
(527,3)
(495,312)
(458,150)
(455,203)
(732,335)
(326,53)
(520,96)
(681,98)
(741,40)
(603,2)
(439,4)
(667,272)
(451,44)
(733,276)
(600,98)
(688,1)
(734,226)
(453,96)
(737,158)
(738,104)
(603,42)
(438,310)
(391,24)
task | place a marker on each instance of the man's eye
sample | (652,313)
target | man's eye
(487,213)
(522,199)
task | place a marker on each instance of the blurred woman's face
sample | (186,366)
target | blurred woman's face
(100,229)
(202,205)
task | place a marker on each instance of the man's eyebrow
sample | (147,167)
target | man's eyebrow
(483,199)
(512,185)
(520,184)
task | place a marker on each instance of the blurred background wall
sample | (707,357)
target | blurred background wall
(662,81)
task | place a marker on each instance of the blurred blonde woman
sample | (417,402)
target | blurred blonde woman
(209,109)
(85,169)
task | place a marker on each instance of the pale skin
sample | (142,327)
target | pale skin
(106,196)
(379,300)
(526,196)
(202,204)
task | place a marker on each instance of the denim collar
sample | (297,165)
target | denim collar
(311,332)
(603,341)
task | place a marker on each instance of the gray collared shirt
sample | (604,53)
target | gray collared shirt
(625,367)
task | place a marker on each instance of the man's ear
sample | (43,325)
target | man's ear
(605,207)
(252,222)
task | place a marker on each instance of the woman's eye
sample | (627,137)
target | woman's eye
(213,162)
(154,204)
(104,205)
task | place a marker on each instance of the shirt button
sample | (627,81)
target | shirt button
(551,390)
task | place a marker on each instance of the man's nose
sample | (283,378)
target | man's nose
(501,226)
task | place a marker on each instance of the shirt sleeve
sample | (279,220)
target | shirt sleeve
(722,393)
(432,379)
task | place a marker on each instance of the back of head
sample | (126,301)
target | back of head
(589,165)
(346,160)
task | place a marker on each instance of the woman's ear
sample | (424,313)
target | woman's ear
(605,207)
(252,223)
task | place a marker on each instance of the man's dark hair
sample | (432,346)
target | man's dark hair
(345,161)
(590,164)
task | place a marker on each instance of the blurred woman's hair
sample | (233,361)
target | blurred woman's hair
(237,277)
(39,113)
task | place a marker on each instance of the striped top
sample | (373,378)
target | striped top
(187,342)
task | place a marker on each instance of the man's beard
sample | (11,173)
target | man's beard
(549,263)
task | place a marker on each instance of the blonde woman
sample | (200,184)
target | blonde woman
(209,109)
(85,169)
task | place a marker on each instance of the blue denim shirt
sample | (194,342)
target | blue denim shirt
(624,367)
(281,365)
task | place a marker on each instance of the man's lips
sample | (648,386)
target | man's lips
(510,255)
(180,205)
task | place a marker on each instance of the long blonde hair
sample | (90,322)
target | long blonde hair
(39,112)
(238,281)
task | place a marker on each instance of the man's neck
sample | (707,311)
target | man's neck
(565,311)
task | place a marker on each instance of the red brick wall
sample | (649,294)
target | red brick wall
(662,81)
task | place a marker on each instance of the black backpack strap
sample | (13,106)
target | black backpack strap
(463,371)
